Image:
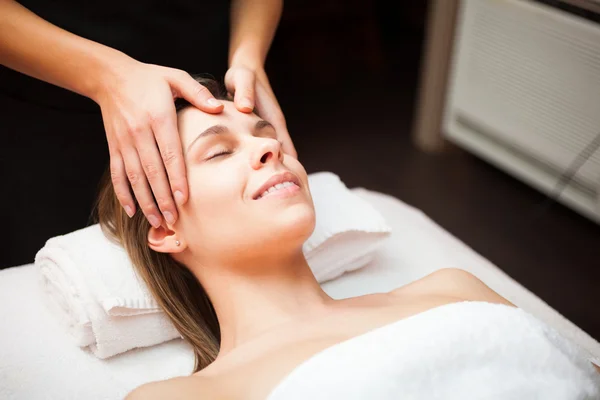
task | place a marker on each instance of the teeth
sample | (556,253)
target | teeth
(278,186)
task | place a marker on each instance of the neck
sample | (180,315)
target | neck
(261,295)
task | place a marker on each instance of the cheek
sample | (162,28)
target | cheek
(214,190)
(294,165)
(215,203)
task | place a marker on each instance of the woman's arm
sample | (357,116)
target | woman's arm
(136,101)
(35,47)
(253,26)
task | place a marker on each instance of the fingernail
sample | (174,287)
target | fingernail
(246,103)
(169,217)
(128,211)
(179,197)
(214,102)
(154,221)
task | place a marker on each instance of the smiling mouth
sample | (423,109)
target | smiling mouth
(281,184)
(287,187)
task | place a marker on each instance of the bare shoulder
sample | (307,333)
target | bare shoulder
(180,388)
(453,282)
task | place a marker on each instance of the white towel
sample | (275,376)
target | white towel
(348,229)
(99,298)
(39,362)
(94,292)
(465,350)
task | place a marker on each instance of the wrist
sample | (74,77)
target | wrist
(107,68)
(247,56)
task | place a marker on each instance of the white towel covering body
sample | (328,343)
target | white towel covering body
(464,350)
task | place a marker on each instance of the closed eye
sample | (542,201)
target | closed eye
(225,152)
(219,154)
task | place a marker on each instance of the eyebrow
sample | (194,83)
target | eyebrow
(220,129)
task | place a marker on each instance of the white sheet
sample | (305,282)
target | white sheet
(38,360)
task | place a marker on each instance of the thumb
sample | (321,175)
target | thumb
(186,87)
(287,146)
(242,86)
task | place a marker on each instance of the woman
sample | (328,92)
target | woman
(98,73)
(231,275)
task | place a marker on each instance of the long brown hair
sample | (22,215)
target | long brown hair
(175,288)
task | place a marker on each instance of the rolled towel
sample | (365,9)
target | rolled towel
(106,306)
(96,295)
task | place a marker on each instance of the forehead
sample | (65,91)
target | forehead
(191,121)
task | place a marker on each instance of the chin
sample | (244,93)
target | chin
(295,225)
(275,234)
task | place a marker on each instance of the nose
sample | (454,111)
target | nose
(267,150)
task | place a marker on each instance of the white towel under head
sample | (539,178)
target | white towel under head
(348,229)
(464,350)
(89,260)
(103,303)
(83,294)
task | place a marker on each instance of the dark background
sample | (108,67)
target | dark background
(346,75)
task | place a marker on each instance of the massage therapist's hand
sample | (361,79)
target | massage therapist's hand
(139,116)
(251,89)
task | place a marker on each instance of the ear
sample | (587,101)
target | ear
(164,240)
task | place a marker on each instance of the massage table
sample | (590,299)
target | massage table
(39,361)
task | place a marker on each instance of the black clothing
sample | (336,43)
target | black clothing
(53,142)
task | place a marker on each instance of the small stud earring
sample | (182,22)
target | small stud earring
(177,243)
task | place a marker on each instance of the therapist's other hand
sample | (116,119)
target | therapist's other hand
(251,89)
(137,103)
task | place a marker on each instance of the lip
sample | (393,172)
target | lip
(274,180)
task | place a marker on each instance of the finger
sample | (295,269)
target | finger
(169,145)
(120,183)
(156,175)
(188,88)
(269,110)
(287,144)
(283,135)
(243,84)
(139,185)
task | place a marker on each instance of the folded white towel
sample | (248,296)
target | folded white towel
(464,350)
(85,276)
(348,229)
(105,305)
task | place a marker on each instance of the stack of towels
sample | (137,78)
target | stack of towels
(104,306)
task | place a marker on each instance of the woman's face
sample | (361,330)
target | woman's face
(247,199)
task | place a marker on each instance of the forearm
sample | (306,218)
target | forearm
(35,47)
(253,26)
